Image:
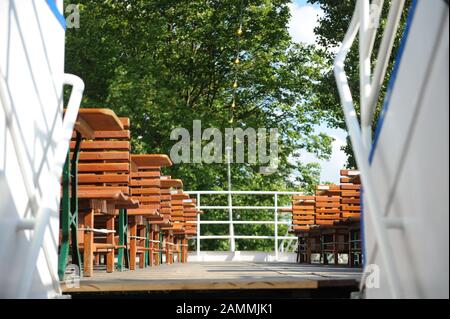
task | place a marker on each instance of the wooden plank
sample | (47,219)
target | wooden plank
(125,122)
(103,178)
(146,182)
(351,201)
(103,167)
(220,276)
(167,183)
(102,145)
(155,174)
(125,134)
(328,204)
(351,207)
(101,119)
(327,210)
(83,127)
(327,198)
(103,156)
(302,197)
(145,191)
(350,186)
(151,160)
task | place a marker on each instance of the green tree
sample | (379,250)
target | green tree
(330,32)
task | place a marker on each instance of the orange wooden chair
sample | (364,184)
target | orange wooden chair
(143,221)
(103,187)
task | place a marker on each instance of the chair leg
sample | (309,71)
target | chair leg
(110,240)
(88,244)
(151,246)
(141,253)
(133,231)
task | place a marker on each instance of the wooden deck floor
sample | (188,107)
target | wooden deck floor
(219,276)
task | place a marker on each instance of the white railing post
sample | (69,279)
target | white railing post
(360,134)
(276,225)
(231,226)
(198,228)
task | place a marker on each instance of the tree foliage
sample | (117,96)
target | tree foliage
(330,32)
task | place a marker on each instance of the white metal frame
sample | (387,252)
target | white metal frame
(232,236)
(40,210)
(365,21)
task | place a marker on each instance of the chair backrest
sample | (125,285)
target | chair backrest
(303,212)
(350,194)
(145,186)
(190,216)
(104,162)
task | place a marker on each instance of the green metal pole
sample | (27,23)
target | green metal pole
(76,258)
(65,220)
(125,231)
(160,247)
(147,245)
(120,255)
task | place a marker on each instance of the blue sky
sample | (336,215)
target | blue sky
(301,27)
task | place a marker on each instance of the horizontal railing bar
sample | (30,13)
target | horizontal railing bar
(244,222)
(244,237)
(244,207)
(243,192)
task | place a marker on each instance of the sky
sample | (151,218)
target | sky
(301,28)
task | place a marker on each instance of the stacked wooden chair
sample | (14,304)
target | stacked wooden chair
(117,206)
(328,223)
(178,227)
(144,221)
(351,213)
(103,188)
(169,186)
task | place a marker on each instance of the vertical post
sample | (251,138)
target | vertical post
(276,225)
(198,228)
(120,253)
(161,246)
(151,246)
(76,258)
(110,221)
(88,262)
(133,234)
(147,245)
(230,203)
(364,75)
(141,243)
(64,220)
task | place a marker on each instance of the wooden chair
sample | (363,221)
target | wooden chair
(88,123)
(191,213)
(351,214)
(103,187)
(303,214)
(168,187)
(178,227)
(146,188)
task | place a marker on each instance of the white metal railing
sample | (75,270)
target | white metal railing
(40,201)
(231,222)
(365,20)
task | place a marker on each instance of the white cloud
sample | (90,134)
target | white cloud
(331,167)
(303,21)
